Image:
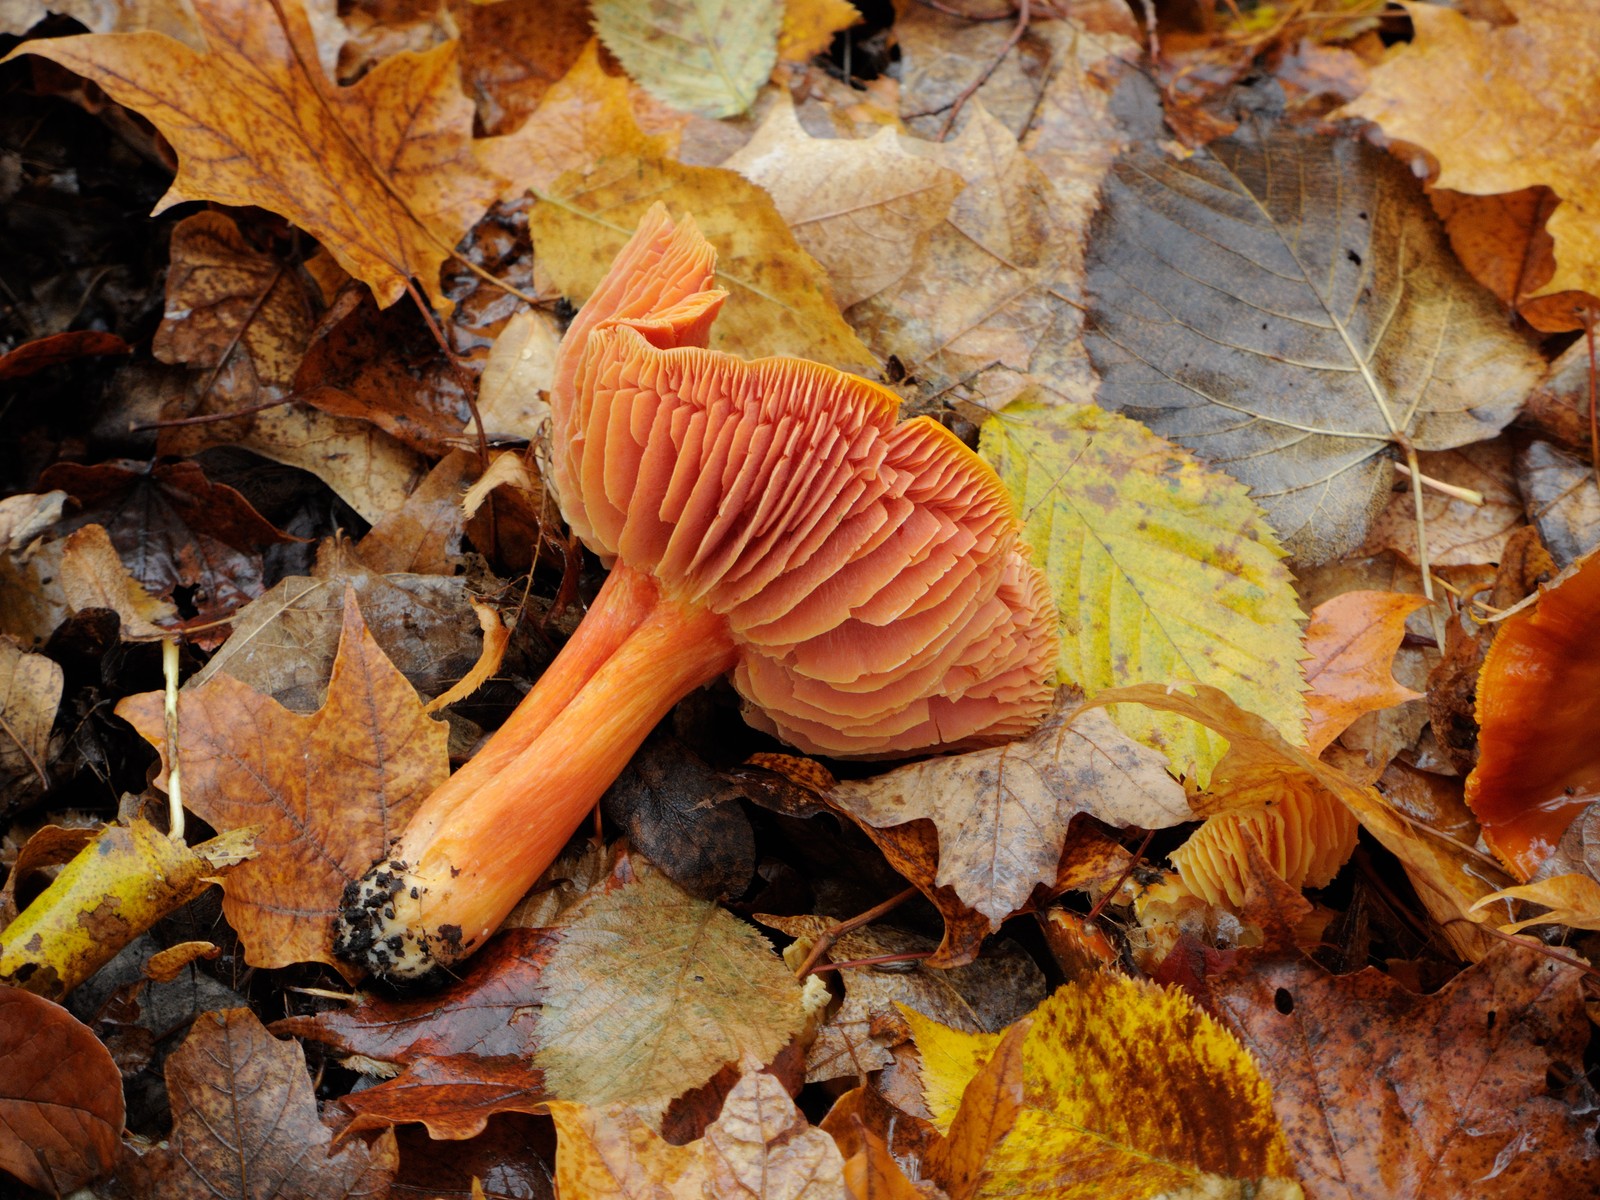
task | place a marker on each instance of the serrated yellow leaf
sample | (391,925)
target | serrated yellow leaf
(1162,570)
(1126,1089)
(950,1058)
(703,56)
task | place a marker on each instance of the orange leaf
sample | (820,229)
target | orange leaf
(327,790)
(1351,643)
(381,173)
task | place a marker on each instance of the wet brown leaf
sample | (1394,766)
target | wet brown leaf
(244,1117)
(1384,1093)
(327,791)
(453,1097)
(491,1012)
(1459,533)
(174,528)
(60,1096)
(43,353)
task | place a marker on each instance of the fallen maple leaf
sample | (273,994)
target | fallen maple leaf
(60,1096)
(1112,1088)
(1384,1093)
(327,791)
(1350,645)
(760,1146)
(381,173)
(1503,240)
(1002,813)
(245,1123)
(1504,108)
(1162,571)
(621,1023)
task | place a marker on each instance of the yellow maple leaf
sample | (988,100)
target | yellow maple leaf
(1112,1088)
(382,172)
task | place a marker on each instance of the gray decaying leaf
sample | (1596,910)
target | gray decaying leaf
(1287,308)
(1562,501)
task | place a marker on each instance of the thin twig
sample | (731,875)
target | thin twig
(833,933)
(1021,27)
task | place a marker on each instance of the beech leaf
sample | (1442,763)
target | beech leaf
(1287,307)
(1112,1089)
(651,991)
(1162,570)
(703,56)
(60,1096)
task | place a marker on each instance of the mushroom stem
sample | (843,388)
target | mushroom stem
(448,883)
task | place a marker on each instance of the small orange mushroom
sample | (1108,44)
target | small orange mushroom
(1539,721)
(863,581)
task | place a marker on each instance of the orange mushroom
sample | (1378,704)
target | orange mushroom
(863,580)
(1539,721)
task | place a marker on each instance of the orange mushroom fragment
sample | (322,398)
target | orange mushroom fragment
(1539,721)
(863,580)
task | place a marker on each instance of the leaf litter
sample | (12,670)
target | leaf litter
(311,457)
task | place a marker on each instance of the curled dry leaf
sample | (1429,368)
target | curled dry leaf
(244,1116)
(1294,335)
(30,691)
(1383,1092)
(92,576)
(1002,813)
(326,791)
(651,991)
(1539,721)
(60,1096)
(255,121)
(760,1145)
(125,880)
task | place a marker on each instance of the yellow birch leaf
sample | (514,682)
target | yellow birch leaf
(948,1062)
(1122,1090)
(703,56)
(1162,571)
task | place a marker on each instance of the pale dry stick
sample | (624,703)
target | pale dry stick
(1594,412)
(1464,494)
(169,669)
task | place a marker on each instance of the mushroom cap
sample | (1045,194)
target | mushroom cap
(1538,714)
(871,571)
